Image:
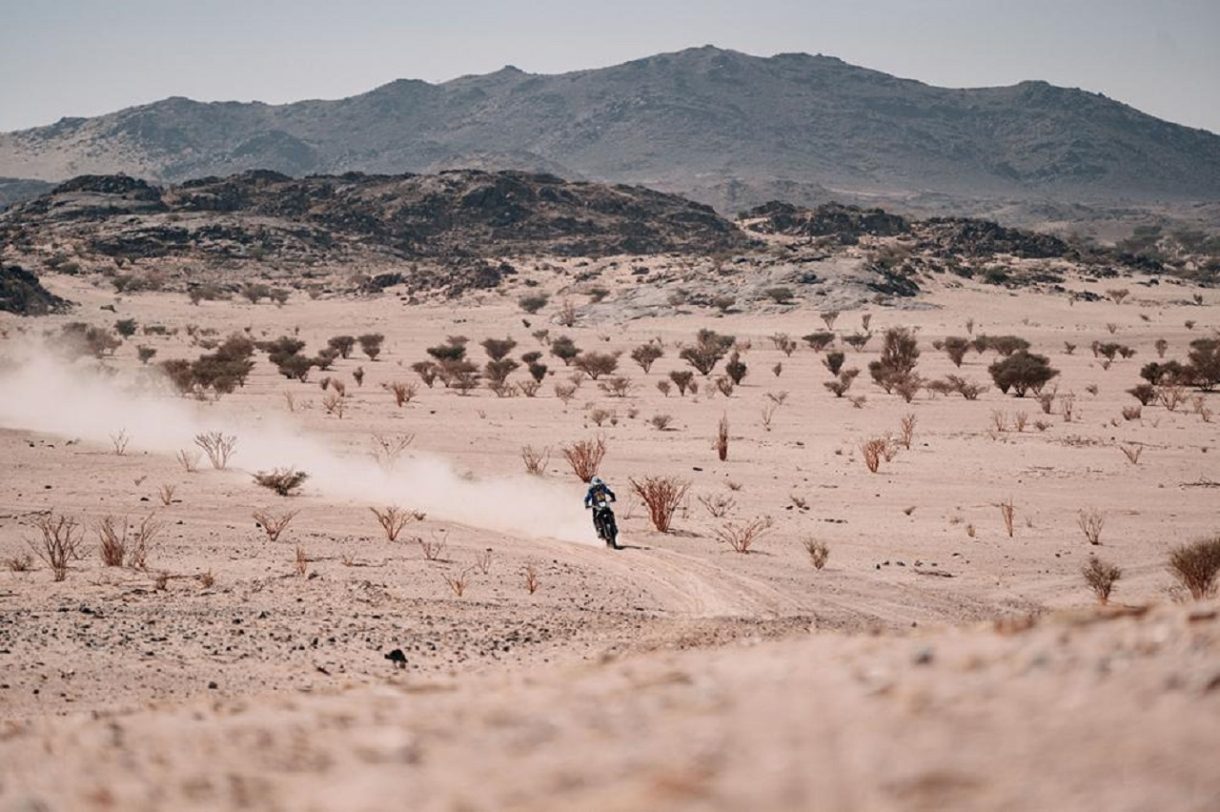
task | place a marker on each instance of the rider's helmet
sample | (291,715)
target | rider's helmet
(596,481)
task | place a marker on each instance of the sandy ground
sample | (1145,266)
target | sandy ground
(674,673)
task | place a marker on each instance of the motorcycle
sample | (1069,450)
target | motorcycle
(603,520)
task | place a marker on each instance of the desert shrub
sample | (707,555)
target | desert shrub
(857,341)
(1004,345)
(1008,512)
(1022,372)
(735,368)
(967,389)
(708,349)
(829,317)
(565,392)
(784,343)
(1196,565)
(565,349)
(533,302)
(449,351)
(427,371)
(1132,412)
(906,430)
(273,525)
(646,354)
(664,387)
(284,481)
(1145,393)
(325,358)
(1203,368)
(497,371)
(59,543)
(873,451)
(342,344)
(841,384)
(433,548)
(956,348)
(498,348)
(1169,373)
(662,495)
(683,379)
(1091,523)
(600,416)
(218,446)
(820,340)
(145,354)
(834,362)
(616,387)
(741,535)
(334,403)
(722,438)
(585,457)
(596,364)
(463,377)
(403,392)
(660,422)
(537,371)
(112,541)
(125,327)
(1101,577)
(535,460)
(392,520)
(387,448)
(370,344)
(819,552)
(899,355)
(1161,346)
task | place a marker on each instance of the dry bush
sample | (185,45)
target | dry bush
(1091,522)
(483,561)
(20,563)
(111,541)
(273,525)
(664,387)
(741,536)
(1019,420)
(166,492)
(143,536)
(60,542)
(585,457)
(819,552)
(189,460)
(161,581)
(721,443)
(724,385)
(459,582)
(387,449)
(829,317)
(1196,565)
(119,442)
(841,384)
(219,447)
(600,416)
(334,403)
(529,388)
(535,460)
(283,481)
(1172,396)
(434,547)
(392,520)
(999,421)
(531,578)
(207,580)
(684,379)
(1067,405)
(565,392)
(873,451)
(1132,452)
(1008,511)
(300,562)
(662,495)
(1101,577)
(661,422)
(768,415)
(906,430)
(1132,412)
(403,392)
(617,386)
(717,505)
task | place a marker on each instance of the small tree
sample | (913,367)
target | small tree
(1022,372)
(392,520)
(533,302)
(682,379)
(218,446)
(596,364)
(59,544)
(662,495)
(565,349)
(707,351)
(498,348)
(735,368)
(819,340)
(646,354)
(956,348)
(899,354)
(370,344)
(342,345)
(741,535)
(834,362)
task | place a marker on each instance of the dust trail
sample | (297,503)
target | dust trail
(45,393)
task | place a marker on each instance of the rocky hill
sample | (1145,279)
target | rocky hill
(452,215)
(23,294)
(727,128)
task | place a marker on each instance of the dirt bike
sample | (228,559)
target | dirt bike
(603,520)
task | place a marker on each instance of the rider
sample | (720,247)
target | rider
(597,486)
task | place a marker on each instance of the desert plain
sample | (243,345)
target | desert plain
(946,653)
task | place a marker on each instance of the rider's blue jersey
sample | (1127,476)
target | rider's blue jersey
(594,490)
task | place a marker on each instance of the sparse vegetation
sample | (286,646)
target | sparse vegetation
(819,552)
(392,520)
(662,495)
(585,457)
(1196,565)
(742,535)
(59,543)
(1101,577)
(284,481)
(273,525)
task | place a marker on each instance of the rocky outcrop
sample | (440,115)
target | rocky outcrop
(23,294)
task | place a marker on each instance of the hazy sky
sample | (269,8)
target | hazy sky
(84,57)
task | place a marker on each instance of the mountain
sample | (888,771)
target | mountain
(721,126)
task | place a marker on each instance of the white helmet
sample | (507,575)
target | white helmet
(597,481)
